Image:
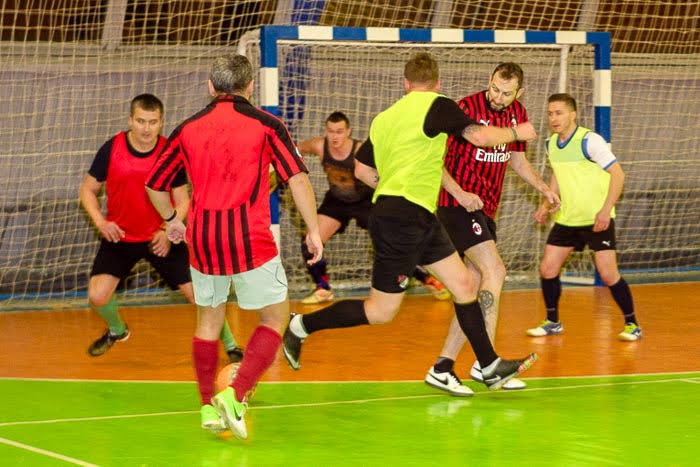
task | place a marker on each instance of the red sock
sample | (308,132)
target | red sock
(205,357)
(257,358)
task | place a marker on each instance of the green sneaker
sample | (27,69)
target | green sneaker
(231,411)
(632,332)
(211,420)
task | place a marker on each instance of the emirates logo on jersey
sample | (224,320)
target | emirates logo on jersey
(403,281)
(476,228)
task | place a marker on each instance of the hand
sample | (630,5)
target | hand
(315,246)
(160,245)
(470,201)
(602,220)
(541,214)
(175,230)
(526,132)
(553,200)
(111,231)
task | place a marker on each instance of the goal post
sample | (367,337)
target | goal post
(307,72)
(602,90)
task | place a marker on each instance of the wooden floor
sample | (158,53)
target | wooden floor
(52,344)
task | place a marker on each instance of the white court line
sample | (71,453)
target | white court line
(329,403)
(55,455)
(694,381)
(154,381)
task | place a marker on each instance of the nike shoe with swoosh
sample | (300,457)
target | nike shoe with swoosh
(447,381)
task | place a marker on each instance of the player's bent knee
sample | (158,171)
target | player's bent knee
(99,299)
(609,278)
(548,272)
(380,315)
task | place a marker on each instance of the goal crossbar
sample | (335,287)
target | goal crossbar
(602,79)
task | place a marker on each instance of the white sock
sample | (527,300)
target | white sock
(297,328)
(490,369)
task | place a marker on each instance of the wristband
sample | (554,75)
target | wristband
(515,134)
(171,217)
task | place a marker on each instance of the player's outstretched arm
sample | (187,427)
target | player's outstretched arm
(305,201)
(312,146)
(89,190)
(481,135)
(522,167)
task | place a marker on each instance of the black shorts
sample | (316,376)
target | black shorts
(404,236)
(344,212)
(466,229)
(118,259)
(579,237)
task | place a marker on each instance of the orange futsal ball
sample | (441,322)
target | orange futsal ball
(226,376)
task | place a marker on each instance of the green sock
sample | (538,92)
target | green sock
(110,313)
(227,337)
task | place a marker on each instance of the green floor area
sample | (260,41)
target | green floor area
(639,420)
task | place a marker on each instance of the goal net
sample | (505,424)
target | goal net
(362,78)
(70,68)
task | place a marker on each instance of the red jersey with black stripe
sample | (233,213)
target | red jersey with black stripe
(227,149)
(481,170)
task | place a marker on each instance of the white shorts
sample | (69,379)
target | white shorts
(255,289)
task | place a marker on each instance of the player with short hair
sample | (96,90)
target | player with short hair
(347,198)
(589,180)
(227,149)
(403,160)
(132,228)
(472,184)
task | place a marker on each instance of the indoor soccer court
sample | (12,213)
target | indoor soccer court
(359,398)
(70,70)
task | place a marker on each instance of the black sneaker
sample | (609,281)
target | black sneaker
(235,355)
(107,340)
(505,370)
(291,346)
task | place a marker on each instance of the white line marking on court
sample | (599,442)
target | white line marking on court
(694,381)
(90,419)
(153,381)
(329,403)
(55,455)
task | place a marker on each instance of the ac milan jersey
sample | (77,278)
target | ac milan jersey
(227,149)
(481,170)
(124,171)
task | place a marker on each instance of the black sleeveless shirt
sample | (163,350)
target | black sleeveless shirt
(341,179)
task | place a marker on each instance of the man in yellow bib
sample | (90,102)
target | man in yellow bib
(402,159)
(589,182)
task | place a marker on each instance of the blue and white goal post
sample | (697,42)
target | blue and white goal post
(306,72)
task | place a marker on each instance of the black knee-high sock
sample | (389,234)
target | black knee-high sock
(623,297)
(551,290)
(317,271)
(341,314)
(471,320)
(421,274)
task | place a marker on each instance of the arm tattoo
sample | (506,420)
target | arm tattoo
(470,130)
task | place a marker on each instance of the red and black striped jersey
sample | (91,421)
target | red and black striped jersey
(481,170)
(227,149)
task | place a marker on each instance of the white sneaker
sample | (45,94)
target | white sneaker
(448,382)
(512,384)
(319,295)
